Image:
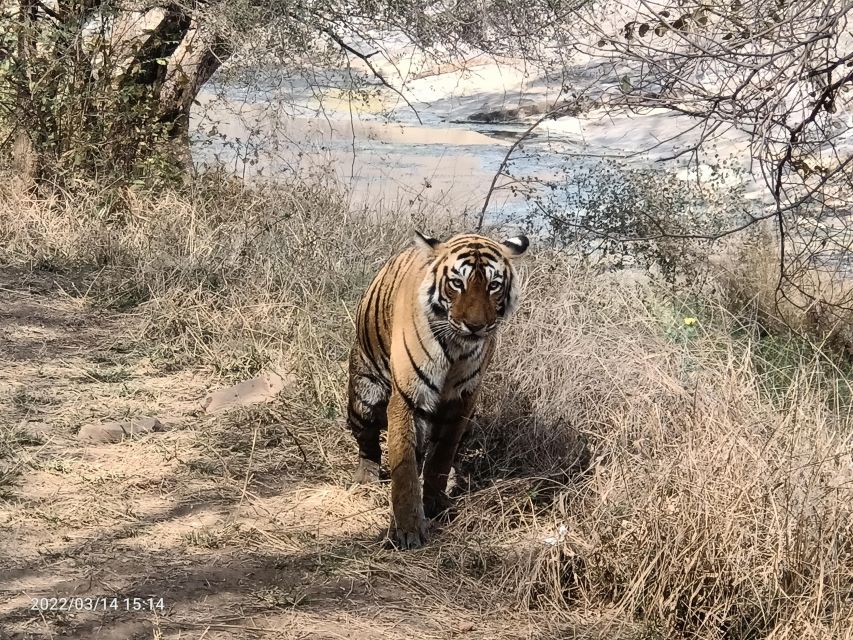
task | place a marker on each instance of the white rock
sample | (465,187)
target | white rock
(261,389)
(118,431)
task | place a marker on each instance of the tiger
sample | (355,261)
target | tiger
(425,334)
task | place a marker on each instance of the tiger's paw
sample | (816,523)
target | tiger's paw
(367,472)
(409,537)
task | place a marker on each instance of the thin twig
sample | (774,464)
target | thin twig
(551,113)
(365,58)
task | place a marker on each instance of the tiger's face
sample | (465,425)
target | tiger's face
(471,282)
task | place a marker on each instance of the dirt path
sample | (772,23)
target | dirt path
(241,523)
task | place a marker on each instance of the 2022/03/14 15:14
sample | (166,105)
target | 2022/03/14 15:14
(98,603)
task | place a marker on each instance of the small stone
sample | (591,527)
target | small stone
(108,432)
(261,389)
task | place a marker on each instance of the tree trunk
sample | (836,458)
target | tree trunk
(191,54)
(198,56)
(24,159)
(115,100)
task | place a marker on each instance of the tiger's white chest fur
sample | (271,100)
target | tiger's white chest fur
(455,370)
(465,374)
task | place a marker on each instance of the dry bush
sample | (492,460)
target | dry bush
(716,502)
(230,275)
(816,302)
(569,362)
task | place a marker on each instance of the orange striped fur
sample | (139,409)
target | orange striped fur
(425,334)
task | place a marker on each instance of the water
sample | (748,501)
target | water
(439,163)
(387,157)
(386,154)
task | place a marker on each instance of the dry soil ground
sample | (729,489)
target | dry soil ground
(243,523)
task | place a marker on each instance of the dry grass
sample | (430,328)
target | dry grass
(717,498)
(815,302)
(633,475)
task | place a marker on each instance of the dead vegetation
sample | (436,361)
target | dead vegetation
(646,466)
(817,300)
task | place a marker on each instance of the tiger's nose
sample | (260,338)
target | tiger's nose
(473,327)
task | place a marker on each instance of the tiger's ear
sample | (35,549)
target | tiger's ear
(516,245)
(425,242)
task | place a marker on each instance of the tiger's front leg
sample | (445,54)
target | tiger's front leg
(408,526)
(455,416)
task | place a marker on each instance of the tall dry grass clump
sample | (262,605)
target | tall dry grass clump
(226,274)
(816,299)
(716,498)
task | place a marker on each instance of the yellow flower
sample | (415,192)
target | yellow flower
(690,321)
